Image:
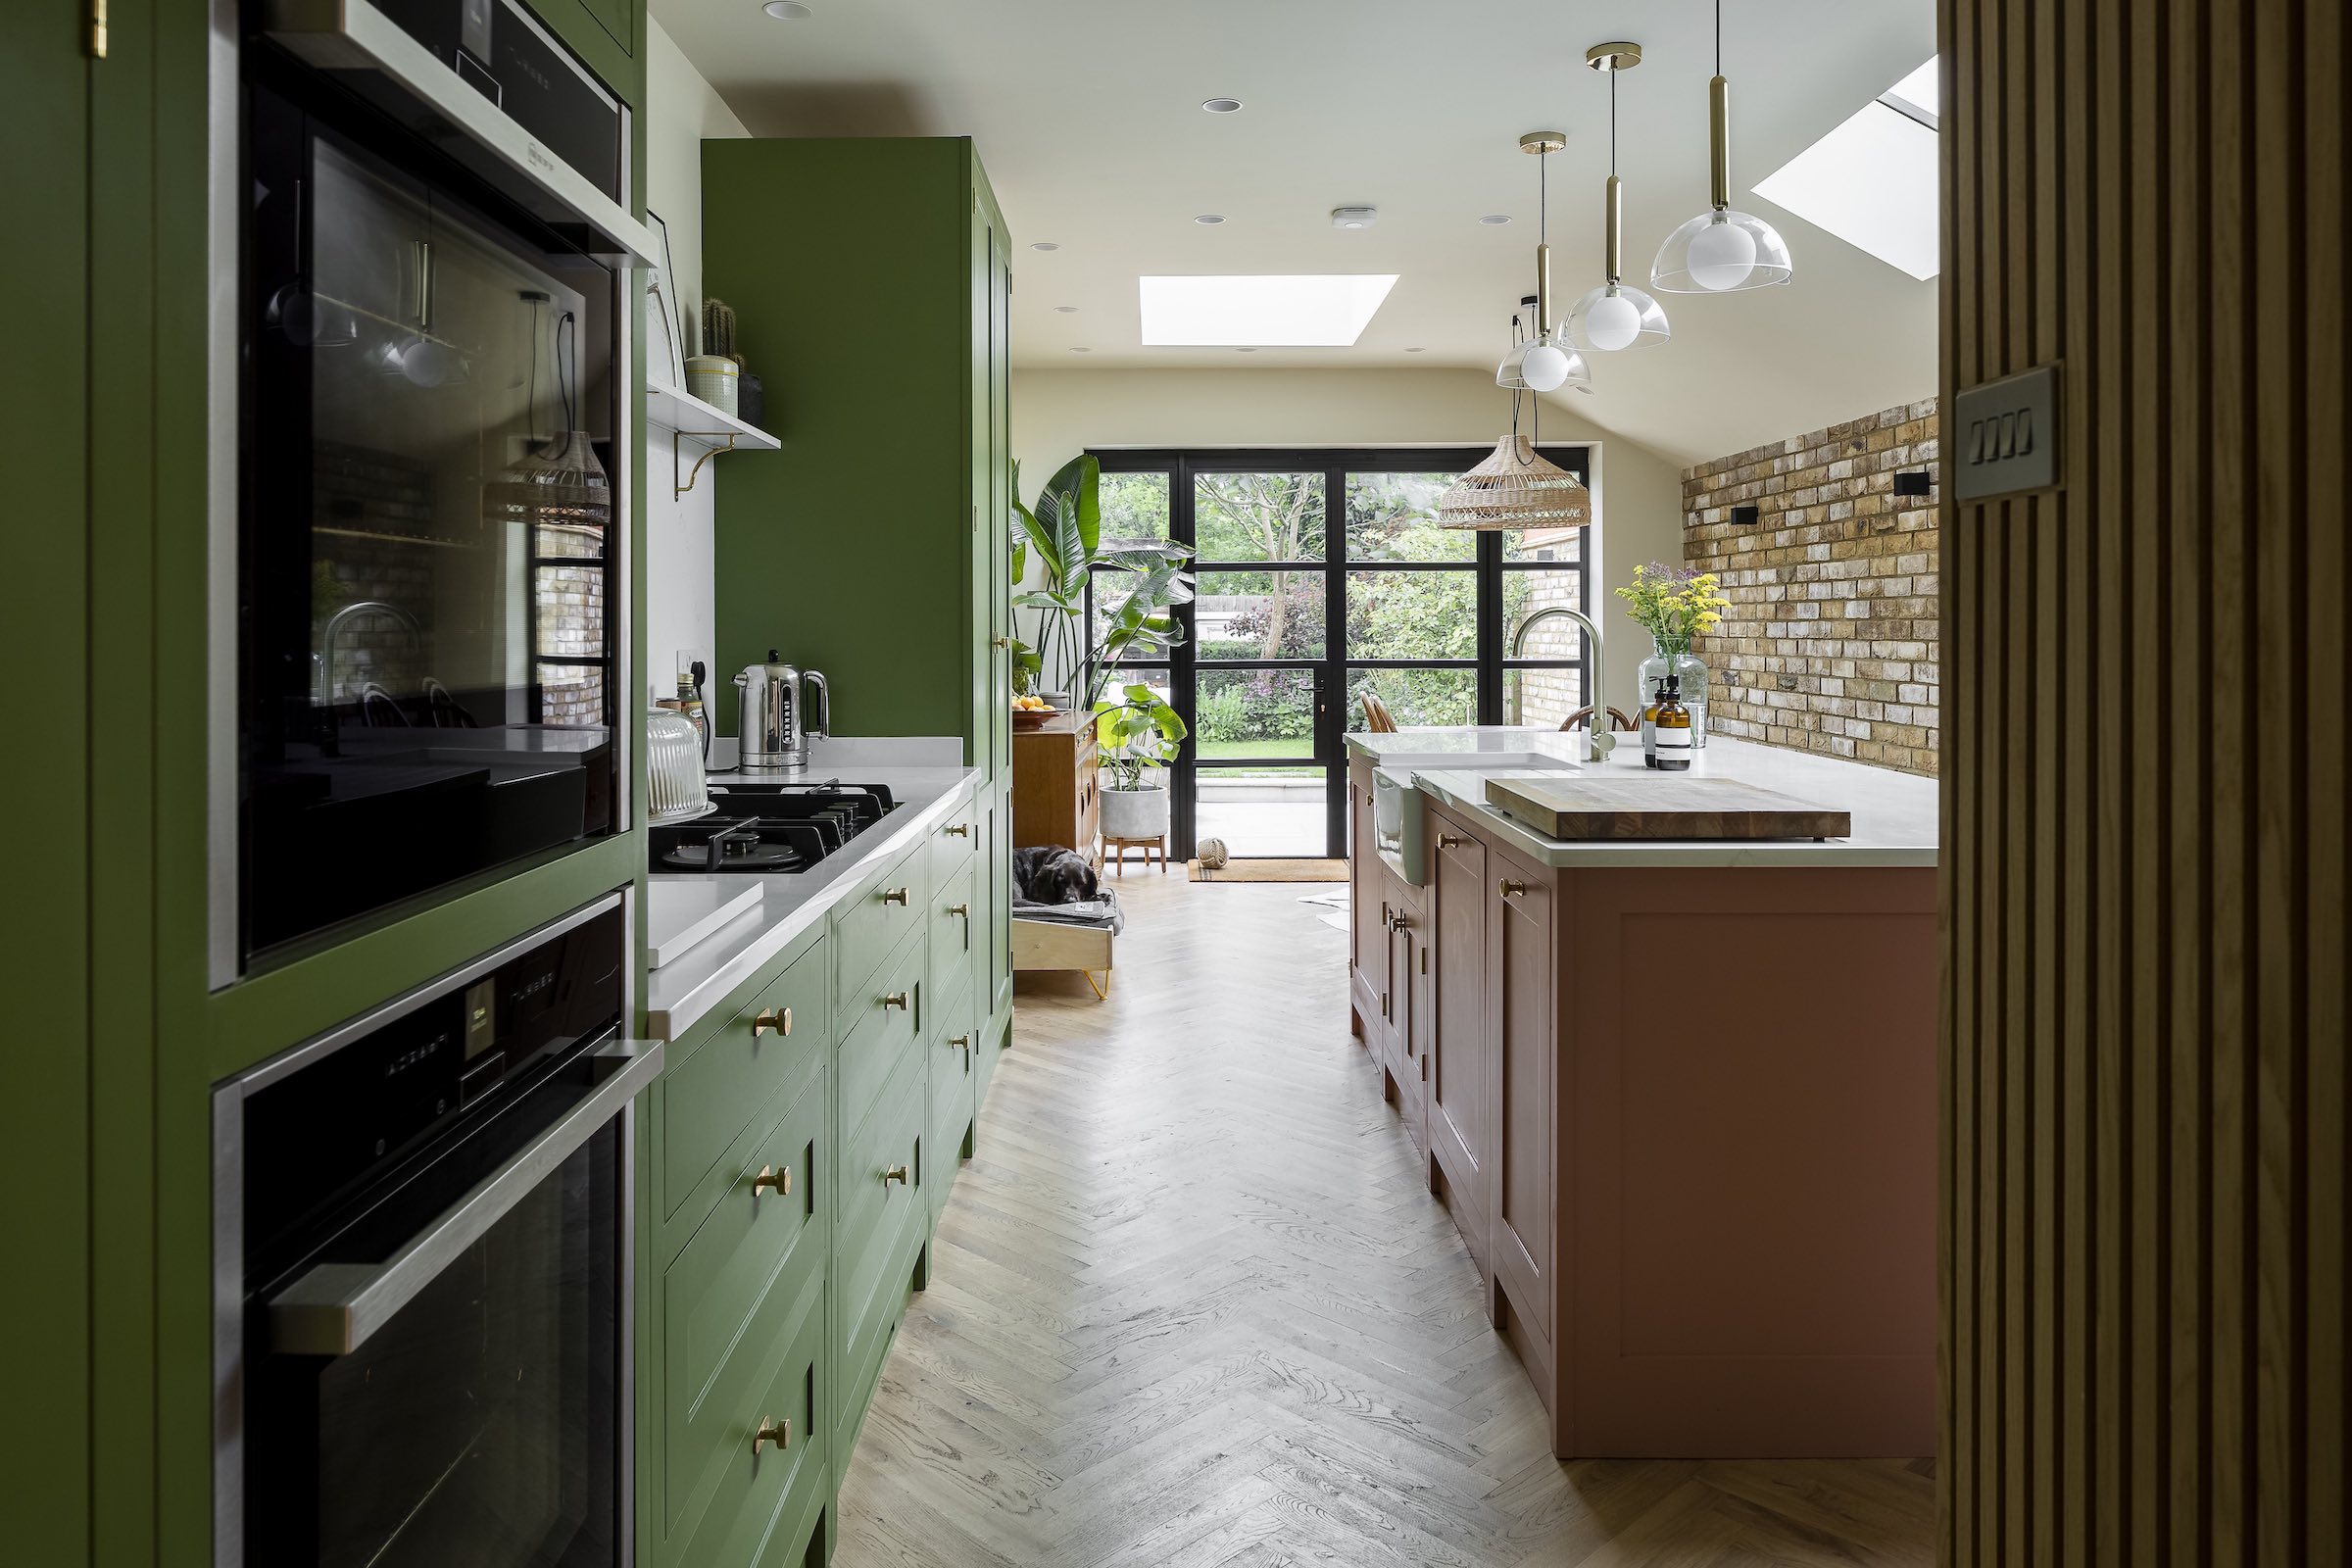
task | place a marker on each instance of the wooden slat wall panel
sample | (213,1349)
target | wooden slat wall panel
(2148,684)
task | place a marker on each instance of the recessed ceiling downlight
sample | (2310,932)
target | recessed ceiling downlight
(1066,310)
(786,10)
(1495,220)
(1222,106)
(1045,245)
(1209,219)
(1353,217)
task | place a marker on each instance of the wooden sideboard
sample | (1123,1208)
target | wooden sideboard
(1056,797)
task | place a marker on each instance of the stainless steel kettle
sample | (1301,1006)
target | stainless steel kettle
(775,728)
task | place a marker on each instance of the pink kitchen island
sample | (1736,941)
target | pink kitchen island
(1679,1095)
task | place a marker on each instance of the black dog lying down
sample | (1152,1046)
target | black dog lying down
(1053,875)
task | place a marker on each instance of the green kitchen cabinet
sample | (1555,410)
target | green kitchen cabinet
(871,283)
(801,1142)
(609,37)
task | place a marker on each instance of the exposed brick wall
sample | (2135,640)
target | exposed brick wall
(1830,642)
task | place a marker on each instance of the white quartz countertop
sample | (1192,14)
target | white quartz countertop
(1895,814)
(685,990)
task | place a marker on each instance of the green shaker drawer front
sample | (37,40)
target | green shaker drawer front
(881,1195)
(870,926)
(723,1299)
(710,1097)
(953,842)
(879,1025)
(956,924)
(773,1451)
(952,1049)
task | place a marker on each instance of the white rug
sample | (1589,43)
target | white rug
(1334,908)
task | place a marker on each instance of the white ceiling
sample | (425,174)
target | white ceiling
(1086,115)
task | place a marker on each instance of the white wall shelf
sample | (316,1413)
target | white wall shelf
(688,417)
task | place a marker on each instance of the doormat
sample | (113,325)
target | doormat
(1239,870)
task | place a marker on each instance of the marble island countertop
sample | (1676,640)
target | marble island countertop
(1895,814)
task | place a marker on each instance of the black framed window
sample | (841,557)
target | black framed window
(1321,577)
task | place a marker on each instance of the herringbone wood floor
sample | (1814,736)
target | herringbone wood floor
(1192,1305)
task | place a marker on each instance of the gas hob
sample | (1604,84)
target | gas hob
(769,829)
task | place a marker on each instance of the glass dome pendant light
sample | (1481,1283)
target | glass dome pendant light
(1720,250)
(1546,364)
(1615,315)
(1511,374)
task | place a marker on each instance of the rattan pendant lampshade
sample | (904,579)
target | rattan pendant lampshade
(1516,487)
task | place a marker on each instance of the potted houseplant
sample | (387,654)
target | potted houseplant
(1140,734)
(1064,534)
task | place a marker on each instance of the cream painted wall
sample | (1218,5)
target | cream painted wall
(680,109)
(1638,494)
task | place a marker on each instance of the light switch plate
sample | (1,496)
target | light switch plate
(2004,437)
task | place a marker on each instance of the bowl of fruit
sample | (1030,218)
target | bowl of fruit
(1032,712)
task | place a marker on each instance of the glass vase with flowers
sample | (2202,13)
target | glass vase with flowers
(1675,606)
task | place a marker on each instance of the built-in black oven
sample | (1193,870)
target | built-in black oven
(431,238)
(424,1251)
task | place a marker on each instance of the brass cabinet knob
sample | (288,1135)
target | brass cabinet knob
(771,1021)
(964,911)
(961,830)
(771,1177)
(896,1173)
(897,999)
(772,1430)
(960,1042)
(1450,841)
(1509,889)
(895,896)
(1398,921)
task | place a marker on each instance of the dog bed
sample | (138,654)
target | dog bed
(1069,936)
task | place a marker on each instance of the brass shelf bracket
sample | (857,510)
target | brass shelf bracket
(710,448)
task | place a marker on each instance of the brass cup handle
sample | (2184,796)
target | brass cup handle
(771,1021)
(895,896)
(962,911)
(771,1177)
(772,1430)
(958,1042)
(1450,841)
(1509,889)
(896,1173)
(961,830)
(897,999)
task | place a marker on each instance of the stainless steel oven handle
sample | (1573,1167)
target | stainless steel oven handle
(354,35)
(333,1309)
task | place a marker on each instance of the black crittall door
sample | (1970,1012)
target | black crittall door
(1321,577)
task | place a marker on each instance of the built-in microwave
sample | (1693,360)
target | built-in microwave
(421,586)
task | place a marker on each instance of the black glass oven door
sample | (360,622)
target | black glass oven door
(479,1424)
(427,558)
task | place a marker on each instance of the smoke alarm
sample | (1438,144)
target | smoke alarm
(1353,217)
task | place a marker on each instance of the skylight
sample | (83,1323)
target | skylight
(1297,311)
(1872,180)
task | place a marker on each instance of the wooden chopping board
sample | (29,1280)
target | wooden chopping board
(1661,806)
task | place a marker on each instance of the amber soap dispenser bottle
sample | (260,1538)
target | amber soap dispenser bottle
(1674,729)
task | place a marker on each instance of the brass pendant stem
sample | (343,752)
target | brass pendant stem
(1613,221)
(1542,291)
(1719,115)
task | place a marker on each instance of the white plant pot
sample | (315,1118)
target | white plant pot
(1134,813)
